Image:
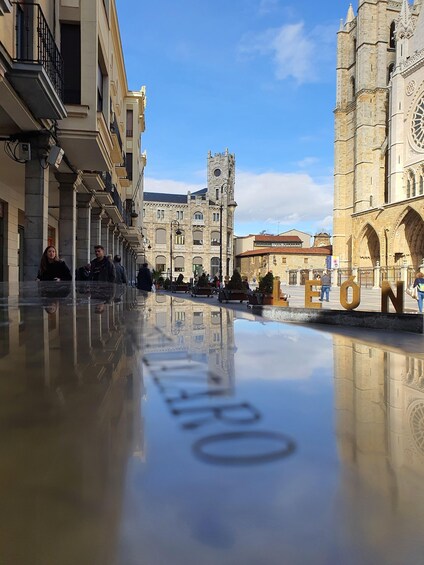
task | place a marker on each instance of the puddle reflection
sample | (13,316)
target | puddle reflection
(184,432)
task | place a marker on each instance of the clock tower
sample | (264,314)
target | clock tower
(221,176)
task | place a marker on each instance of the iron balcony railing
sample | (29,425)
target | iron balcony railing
(35,43)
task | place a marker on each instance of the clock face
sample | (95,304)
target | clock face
(418,124)
(217,172)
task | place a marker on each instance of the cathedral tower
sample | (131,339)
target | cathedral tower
(373,48)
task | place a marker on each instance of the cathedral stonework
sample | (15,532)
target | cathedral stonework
(379,138)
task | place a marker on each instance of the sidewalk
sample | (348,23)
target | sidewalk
(370,300)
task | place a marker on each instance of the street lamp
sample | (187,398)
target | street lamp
(232,204)
(174,224)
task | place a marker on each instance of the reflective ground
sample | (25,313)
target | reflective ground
(164,431)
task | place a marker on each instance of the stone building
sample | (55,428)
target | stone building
(200,218)
(71,165)
(379,138)
(284,255)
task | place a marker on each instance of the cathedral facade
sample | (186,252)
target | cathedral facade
(379,138)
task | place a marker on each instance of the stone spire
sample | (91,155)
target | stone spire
(417,42)
(404,27)
(350,15)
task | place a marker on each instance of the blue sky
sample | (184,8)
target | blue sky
(256,76)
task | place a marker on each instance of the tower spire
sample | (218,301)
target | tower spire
(405,13)
(350,14)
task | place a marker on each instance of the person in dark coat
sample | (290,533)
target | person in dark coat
(121,275)
(144,278)
(83,273)
(102,268)
(52,268)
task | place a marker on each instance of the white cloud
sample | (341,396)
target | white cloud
(307,162)
(267,6)
(286,198)
(295,52)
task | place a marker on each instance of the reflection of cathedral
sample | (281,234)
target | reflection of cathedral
(203,332)
(379,399)
(70,419)
(379,129)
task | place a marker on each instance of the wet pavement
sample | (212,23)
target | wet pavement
(161,430)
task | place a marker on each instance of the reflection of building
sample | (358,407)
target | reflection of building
(284,255)
(379,143)
(379,399)
(203,332)
(71,418)
(63,87)
(198,215)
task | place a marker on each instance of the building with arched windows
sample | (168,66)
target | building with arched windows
(193,224)
(379,138)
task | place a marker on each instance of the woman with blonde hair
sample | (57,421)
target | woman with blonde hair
(419,284)
(52,268)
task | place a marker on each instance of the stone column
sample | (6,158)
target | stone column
(105,233)
(404,273)
(96,235)
(335,277)
(298,277)
(377,276)
(36,206)
(68,183)
(112,239)
(84,202)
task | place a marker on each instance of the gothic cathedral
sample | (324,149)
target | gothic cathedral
(379,137)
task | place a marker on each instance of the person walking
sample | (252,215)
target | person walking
(121,275)
(102,269)
(144,278)
(52,268)
(419,285)
(325,286)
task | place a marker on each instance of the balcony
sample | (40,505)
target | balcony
(37,68)
(5,7)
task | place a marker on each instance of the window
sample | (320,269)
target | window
(129,165)
(197,265)
(100,87)
(160,214)
(283,260)
(198,216)
(179,264)
(421,184)
(180,316)
(160,263)
(130,118)
(414,186)
(180,239)
(390,72)
(392,36)
(70,46)
(305,260)
(144,212)
(161,236)
(352,88)
(408,189)
(197,237)
(215,216)
(215,239)
(180,215)
(214,266)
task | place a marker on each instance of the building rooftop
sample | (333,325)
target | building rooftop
(172,198)
(325,250)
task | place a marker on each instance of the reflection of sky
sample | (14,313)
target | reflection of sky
(276,351)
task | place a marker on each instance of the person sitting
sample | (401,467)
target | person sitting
(52,268)
(102,268)
(83,273)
